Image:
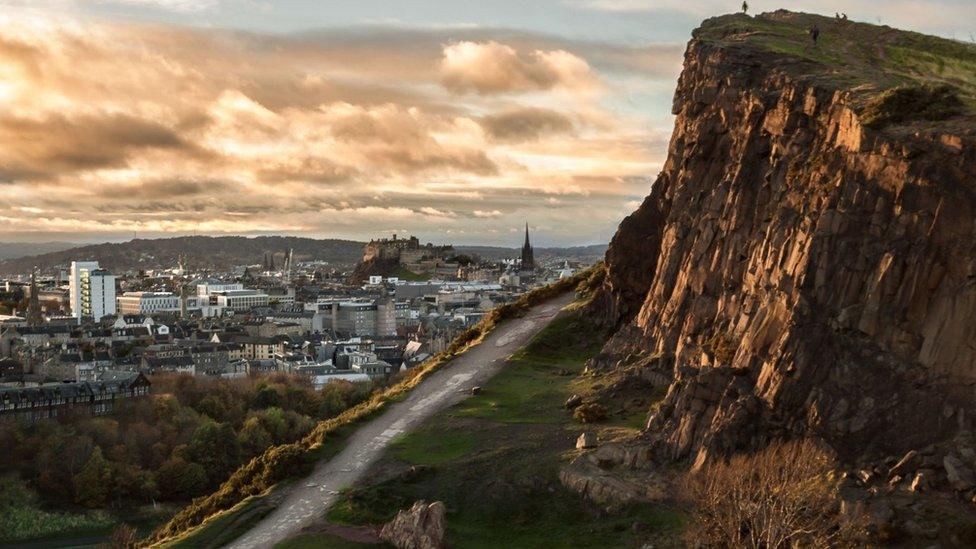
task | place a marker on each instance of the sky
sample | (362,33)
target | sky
(457,121)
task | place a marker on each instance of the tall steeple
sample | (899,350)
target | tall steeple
(528,259)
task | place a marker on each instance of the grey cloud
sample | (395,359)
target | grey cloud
(525,124)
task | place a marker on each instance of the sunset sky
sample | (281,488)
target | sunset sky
(453,120)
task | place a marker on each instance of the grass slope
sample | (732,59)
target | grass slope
(494,458)
(289,461)
(866,59)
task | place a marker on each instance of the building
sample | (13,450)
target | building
(261,348)
(201,305)
(390,249)
(409,253)
(92,291)
(362,317)
(213,286)
(146,303)
(240,301)
(528,256)
(31,404)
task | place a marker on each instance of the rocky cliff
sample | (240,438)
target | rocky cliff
(805,262)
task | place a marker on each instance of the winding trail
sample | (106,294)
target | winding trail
(308,499)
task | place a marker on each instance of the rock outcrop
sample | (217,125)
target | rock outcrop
(420,527)
(797,271)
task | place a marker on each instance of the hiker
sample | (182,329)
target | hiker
(745,7)
(843,16)
(815,33)
(836,15)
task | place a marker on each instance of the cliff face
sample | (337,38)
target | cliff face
(795,271)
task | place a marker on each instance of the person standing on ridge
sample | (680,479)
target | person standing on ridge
(745,7)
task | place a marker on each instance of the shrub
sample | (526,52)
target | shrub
(783,496)
(590,412)
(722,347)
(123,537)
(908,103)
(589,284)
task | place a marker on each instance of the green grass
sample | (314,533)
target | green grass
(403,273)
(23,518)
(441,448)
(19,523)
(494,460)
(225,528)
(864,58)
(535,383)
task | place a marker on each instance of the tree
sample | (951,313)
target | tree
(254,437)
(266,397)
(215,447)
(93,484)
(179,480)
(132,484)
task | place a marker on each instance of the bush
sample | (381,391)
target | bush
(783,496)
(123,537)
(590,412)
(722,347)
(908,103)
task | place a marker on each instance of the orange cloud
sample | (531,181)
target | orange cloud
(158,129)
(490,67)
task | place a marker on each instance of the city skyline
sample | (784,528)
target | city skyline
(347,120)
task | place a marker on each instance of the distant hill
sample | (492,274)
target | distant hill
(203,252)
(11,250)
(224,252)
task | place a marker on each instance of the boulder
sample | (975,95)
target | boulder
(920,482)
(420,527)
(586,441)
(573,401)
(905,465)
(960,477)
(865,475)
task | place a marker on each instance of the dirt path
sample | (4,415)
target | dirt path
(309,498)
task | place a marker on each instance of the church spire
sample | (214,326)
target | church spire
(528,259)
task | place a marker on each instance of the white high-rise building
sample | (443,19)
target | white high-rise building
(92,290)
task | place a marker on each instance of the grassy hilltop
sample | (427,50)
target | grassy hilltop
(922,77)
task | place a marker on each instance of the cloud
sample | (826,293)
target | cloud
(525,124)
(307,170)
(171,5)
(491,68)
(161,129)
(57,144)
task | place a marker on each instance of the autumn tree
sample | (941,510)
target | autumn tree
(94,483)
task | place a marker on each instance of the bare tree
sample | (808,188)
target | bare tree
(783,496)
